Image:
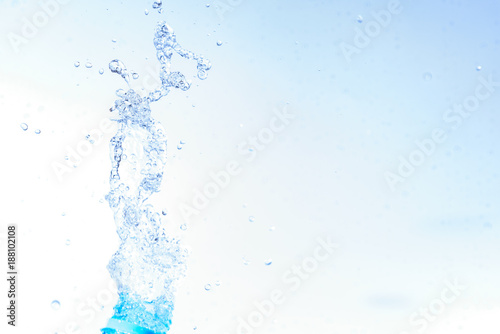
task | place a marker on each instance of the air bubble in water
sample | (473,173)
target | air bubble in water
(183,227)
(207,5)
(179,147)
(56,305)
(359,19)
(24,126)
(135,76)
(246,261)
(208,287)
(37,131)
(101,71)
(268,262)
(164,212)
(219,43)
(217,283)
(146,12)
(77,63)
(251,219)
(88,64)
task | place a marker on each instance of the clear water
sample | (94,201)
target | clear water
(148,262)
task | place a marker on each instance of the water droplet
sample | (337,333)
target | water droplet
(146,12)
(195,328)
(179,147)
(88,64)
(164,212)
(202,75)
(24,126)
(183,227)
(208,287)
(37,131)
(55,305)
(246,261)
(359,19)
(272,228)
(251,219)
(77,63)
(268,262)
(244,205)
(478,68)
(207,5)
(182,142)
(68,242)
(113,40)
(219,43)
(157,4)
(135,76)
(427,76)
(64,213)
(116,66)
(217,283)
(101,71)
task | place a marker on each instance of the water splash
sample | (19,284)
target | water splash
(148,262)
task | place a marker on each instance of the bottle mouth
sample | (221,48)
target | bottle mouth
(120,326)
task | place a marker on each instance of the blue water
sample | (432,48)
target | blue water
(148,262)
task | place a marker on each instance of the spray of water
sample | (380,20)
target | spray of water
(148,262)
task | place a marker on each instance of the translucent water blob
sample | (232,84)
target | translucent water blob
(56,305)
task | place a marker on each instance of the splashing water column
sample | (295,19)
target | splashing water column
(148,263)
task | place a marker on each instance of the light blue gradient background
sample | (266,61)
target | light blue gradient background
(323,175)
